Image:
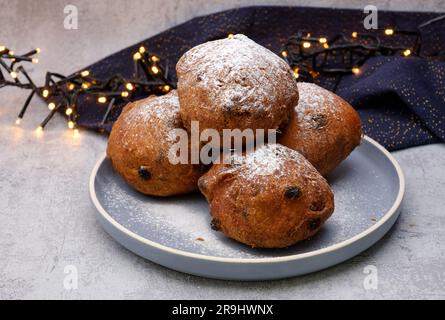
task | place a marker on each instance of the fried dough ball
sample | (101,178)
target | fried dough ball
(270,198)
(235,84)
(139,145)
(324,128)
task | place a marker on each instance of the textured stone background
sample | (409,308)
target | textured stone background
(47,221)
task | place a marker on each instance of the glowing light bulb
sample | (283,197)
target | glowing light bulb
(18,121)
(129,86)
(45,93)
(230,35)
(355,70)
(68,111)
(354,34)
(407,52)
(11,53)
(141,49)
(155,69)
(155,58)
(296,74)
(137,56)
(39,130)
(35,60)
(13,74)
(389,31)
(306,44)
(102,99)
(314,73)
(85,73)
(2,48)
(124,94)
(76,133)
(71,124)
(323,40)
(38,50)
(166,88)
(325,46)
(51,106)
(284,53)
(71,87)
(85,85)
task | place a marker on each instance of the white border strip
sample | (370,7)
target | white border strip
(295,257)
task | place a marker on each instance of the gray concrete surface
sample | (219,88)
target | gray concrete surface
(47,221)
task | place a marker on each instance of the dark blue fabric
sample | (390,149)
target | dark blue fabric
(401,100)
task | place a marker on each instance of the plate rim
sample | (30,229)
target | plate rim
(269,260)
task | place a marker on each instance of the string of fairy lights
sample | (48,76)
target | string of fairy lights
(309,57)
(62,93)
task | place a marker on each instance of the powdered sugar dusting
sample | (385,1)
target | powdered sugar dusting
(268,160)
(237,72)
(160,113)
(164,108)
(314,100)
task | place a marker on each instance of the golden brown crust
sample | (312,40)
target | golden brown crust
(271,198)
(235,84)
(139,143)
(323,127)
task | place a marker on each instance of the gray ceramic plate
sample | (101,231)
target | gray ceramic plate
(175,232)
